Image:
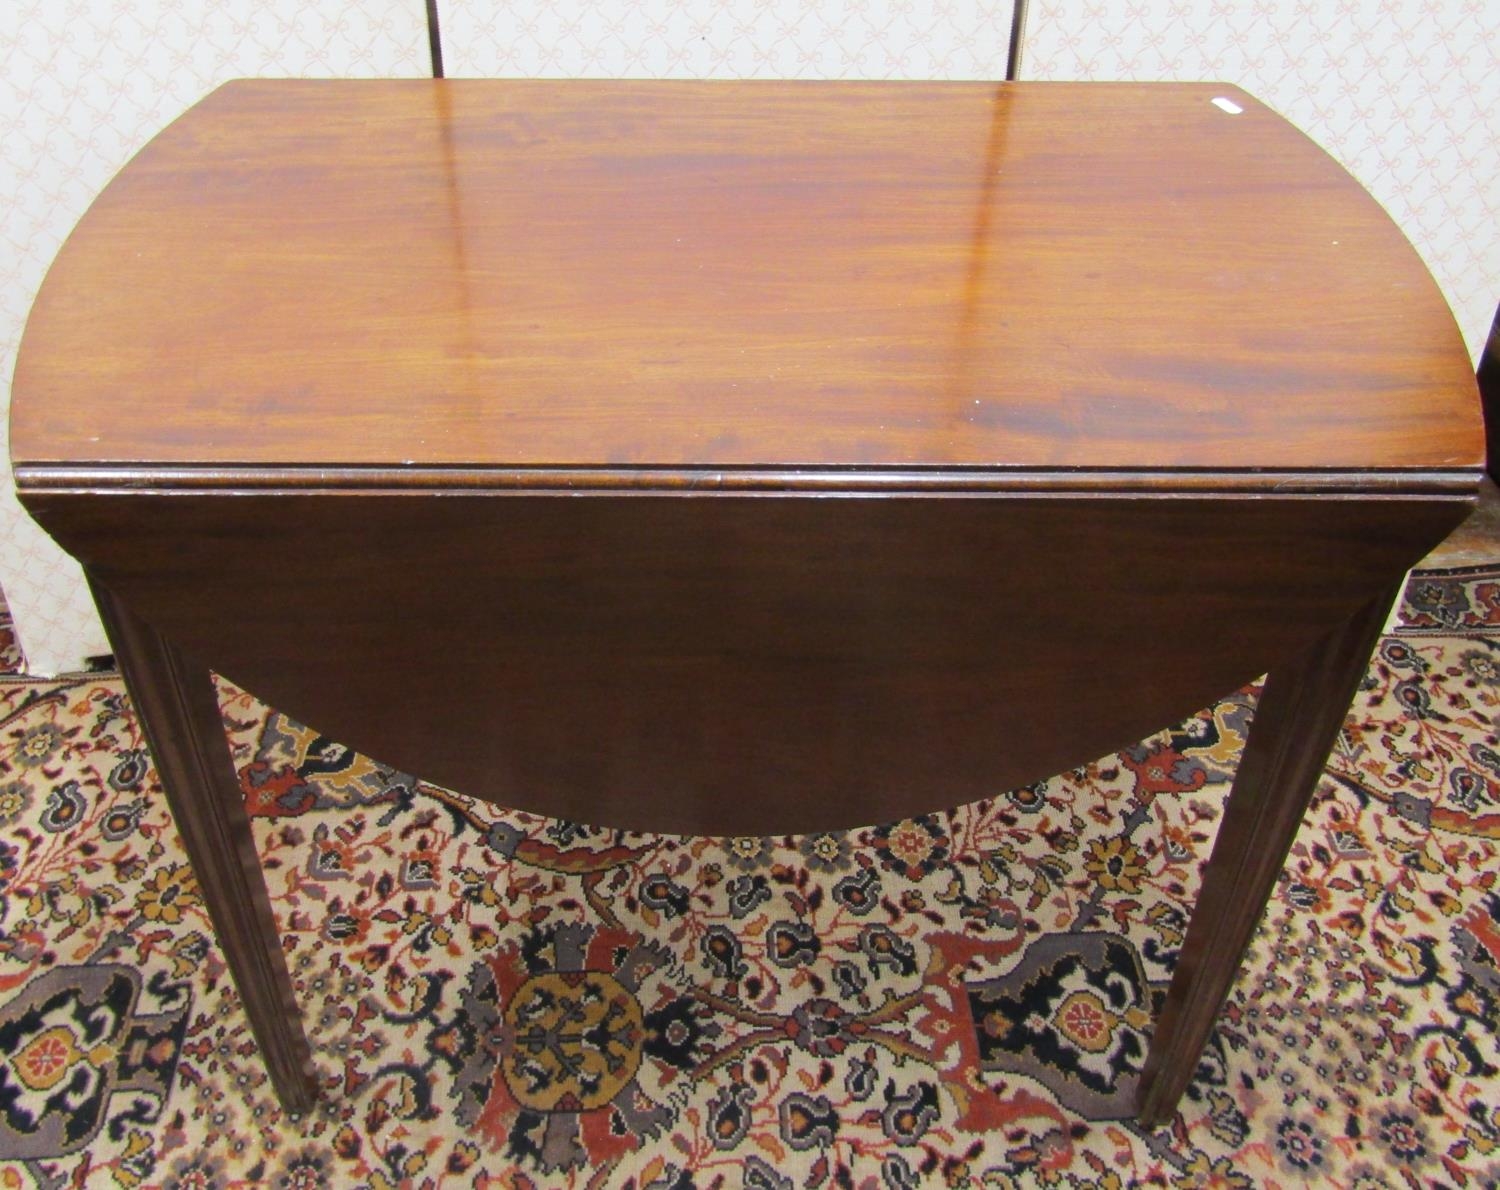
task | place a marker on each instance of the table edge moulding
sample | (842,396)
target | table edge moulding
(775,456)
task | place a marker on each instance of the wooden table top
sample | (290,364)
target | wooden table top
(306,301)
(303,276)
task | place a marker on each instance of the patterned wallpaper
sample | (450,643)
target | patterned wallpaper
(1405,94)
(727,38)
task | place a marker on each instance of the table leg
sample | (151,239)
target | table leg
(179,711)
(1296,723)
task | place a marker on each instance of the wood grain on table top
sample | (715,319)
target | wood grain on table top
(760,274)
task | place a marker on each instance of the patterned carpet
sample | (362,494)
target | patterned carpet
(962,1000)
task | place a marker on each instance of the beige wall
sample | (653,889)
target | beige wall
(1405,94)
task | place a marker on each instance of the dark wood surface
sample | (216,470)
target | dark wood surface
(767,457)
(1297,719)
(179,711)
(741,664)
(1488,375)
(756,274)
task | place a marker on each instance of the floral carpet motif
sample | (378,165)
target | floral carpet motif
(959,1000)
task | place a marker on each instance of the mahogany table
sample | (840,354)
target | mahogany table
(771,457)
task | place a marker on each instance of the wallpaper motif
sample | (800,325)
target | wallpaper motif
(727,39)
